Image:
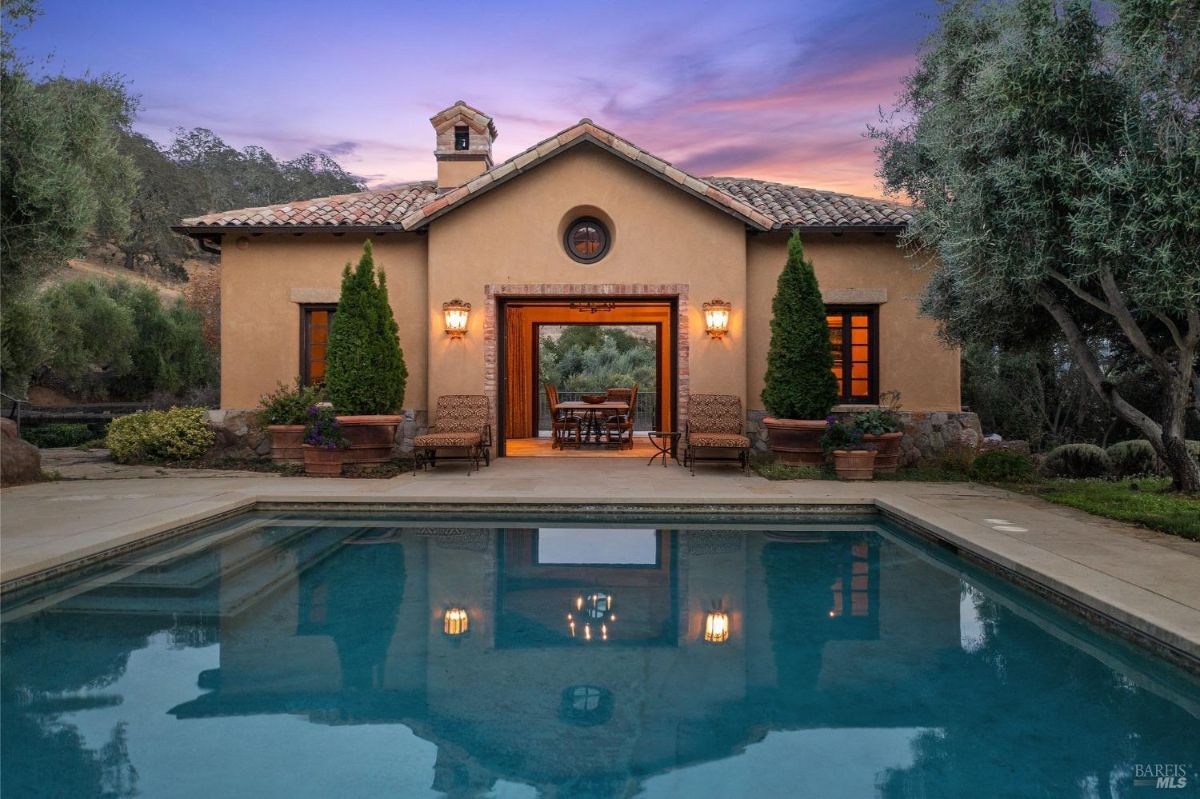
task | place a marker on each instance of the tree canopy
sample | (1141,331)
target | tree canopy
(74,173)
(1055,164)
(597,357)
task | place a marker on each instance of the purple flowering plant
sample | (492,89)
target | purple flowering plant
(844,435)
(322,429)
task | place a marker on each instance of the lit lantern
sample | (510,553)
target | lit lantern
(456,622)
(456,313)
(716,318)
(716,627)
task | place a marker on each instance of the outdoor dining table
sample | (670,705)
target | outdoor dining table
(592,409)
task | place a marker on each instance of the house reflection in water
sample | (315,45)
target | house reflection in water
(356,634)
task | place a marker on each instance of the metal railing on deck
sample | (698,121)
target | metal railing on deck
(13,409)
(645,414)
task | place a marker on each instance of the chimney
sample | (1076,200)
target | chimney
(464,144)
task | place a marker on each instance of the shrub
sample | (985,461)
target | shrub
(799,383)
(1133,458)
(364,366)
(58,435)
(288,404)
(175,434)
(1002,466)
(111,337)
(954,458)
(1076,460)
(877,422)
(90,335)
(169,353)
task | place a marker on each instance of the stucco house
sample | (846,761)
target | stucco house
(582,227)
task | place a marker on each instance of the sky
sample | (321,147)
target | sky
(770,89)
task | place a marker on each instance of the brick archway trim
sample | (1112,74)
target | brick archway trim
(493,292)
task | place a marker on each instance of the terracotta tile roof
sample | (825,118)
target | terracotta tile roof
(382,207)
(793,206)
(759,203)
(587,131)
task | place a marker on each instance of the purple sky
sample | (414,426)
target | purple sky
(776,90)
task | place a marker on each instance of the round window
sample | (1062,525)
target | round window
(586,240)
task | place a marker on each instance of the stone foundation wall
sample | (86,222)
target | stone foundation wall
(240,436)
(926,433)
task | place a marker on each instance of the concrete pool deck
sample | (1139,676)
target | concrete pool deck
(1145,582)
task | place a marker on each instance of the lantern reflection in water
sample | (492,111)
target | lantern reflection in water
(716,627)
(456,622)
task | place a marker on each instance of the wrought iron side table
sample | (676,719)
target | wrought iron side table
(665,442)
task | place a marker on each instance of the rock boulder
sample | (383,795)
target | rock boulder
(20,461)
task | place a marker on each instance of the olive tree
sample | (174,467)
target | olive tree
(1055,164)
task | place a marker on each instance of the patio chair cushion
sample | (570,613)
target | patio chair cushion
(715,413)
(461,413)
(450,439)
(718,440)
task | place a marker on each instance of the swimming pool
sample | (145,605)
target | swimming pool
(307,654)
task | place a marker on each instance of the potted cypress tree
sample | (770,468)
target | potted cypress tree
(365,373)
(800,386)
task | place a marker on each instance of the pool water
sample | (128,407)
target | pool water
(302,655)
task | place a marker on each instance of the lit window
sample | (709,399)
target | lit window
(853,336)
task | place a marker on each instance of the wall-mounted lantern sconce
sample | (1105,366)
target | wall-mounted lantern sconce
(716,318)
(456,622)
(716,626)
(456,313)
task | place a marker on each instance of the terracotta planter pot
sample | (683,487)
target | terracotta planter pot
(323,462)
(287,443)
(796,442)
(887,451)
(370,437)
(854,464)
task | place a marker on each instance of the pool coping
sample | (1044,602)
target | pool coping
(1057,582)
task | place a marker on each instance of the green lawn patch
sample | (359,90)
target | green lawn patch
(773,470)
(1145,501)
(926,474)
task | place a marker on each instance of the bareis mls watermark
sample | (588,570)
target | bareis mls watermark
(1163,775)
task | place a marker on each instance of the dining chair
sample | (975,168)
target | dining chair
(565,429)
(619,427)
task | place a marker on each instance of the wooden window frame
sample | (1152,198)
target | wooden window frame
(845,396)
(306,310)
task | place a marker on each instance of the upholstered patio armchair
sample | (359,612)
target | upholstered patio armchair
(462,425)
(714,425)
